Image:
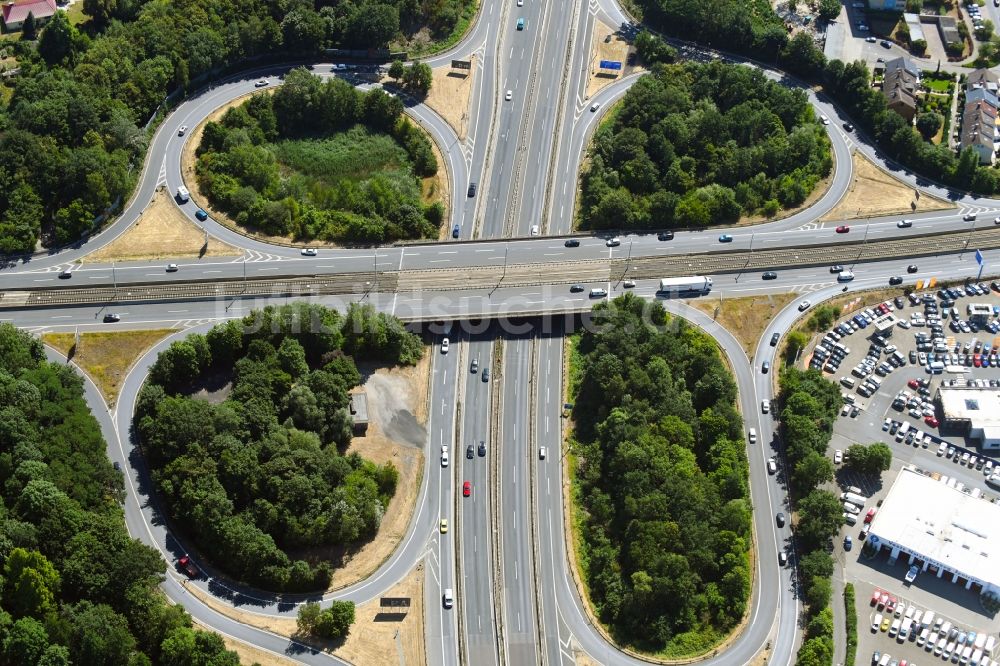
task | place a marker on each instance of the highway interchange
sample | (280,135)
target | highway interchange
(505,554)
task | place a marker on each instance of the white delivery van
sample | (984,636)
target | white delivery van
(894,628)
(922,638)
(904,629)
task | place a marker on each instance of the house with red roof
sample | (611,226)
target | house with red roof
(16,13)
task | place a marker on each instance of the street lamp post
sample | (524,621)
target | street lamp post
(114,275)
(864,241)
(972,229)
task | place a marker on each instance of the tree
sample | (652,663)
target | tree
(308,617)
(812,470)
(29,28)
(928,124)
(26,642)
(819,517)
(653,48)
(397,69)
(30,584)
(985,31)
(57,39)
(872,459)
(829,9)
(918,46)
(418,78)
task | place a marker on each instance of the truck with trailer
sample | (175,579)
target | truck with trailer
(682,285)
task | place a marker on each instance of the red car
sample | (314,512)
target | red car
(870,515)
(876,596)
(883,600)
(843,229)
(891,606)
(913,383)
(931,421)
(977,360)
(466,489)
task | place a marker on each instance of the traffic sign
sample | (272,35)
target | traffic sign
(611,64)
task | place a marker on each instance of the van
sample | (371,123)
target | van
(845,276)
(894,628)
(935,367)
(850,518)
(991,642)
(945,628)
(182,194)
(980,640)
(885,659)
(928,619)
(966,653)
(598,293)
(922,638)
(752,435)
(904,629)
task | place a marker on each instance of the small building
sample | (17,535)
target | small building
(884,326)
(948,29)
(16,13)
(979,312)
(940,529)
(914,27)
(359,413)
(900,85)
(974,410)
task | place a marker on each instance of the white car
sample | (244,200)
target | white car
(520,3)
(804,305)
(181,130)
(596,105)
(309,252)
(509,96)
(261,84)
(534,230)
(444,345)
(824,119)
(838,457)
(904,224)
(613,242)
(772,466)
(444,459)
(765,406)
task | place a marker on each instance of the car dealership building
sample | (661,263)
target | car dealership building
(940,529)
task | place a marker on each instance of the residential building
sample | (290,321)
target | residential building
(900,85)
(979,123)
(983,78)
(16,13)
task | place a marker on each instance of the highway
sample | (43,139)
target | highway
(476,514)
(524,154)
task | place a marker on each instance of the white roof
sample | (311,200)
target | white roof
(976,404)
(942,524)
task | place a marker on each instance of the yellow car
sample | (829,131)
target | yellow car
(444,525)
(885,624)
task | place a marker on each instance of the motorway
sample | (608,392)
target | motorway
(505,552)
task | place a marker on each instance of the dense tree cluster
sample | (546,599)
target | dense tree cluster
(262,473)
(809,406)
(75,588)
(872,459)
(743,26)
(332,623)
(661,477)
(322,160)
(699,144)
(71,137)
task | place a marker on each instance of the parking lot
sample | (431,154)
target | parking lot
(888,383)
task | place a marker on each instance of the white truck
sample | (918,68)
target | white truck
(692,283)
(182,194)
(854,498)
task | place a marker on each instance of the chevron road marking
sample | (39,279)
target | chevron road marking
(161,179)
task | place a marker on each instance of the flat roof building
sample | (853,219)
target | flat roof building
(941,529)
(359,413)
(975,410)
(979,312)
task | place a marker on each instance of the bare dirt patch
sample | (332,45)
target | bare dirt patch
(875,192)
(106,357)
(616,49)
(747,317)
(450,95)
(161,232)
(397,412)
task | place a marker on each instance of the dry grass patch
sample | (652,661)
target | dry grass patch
(876,192)
(106,357)
(161,232)
(375,637)
(451,94)
(746,317)
(437,188)
(616,50)
(382,638)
